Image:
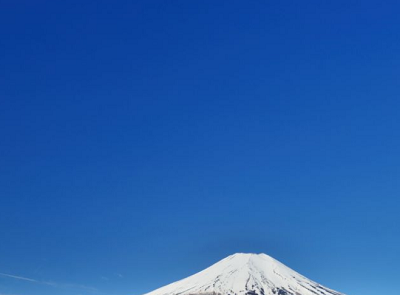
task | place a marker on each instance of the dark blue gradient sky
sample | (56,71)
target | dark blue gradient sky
(144,140)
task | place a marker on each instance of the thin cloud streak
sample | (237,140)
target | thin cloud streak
(18,277)
(58,285)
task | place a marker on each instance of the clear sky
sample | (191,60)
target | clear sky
(143,141)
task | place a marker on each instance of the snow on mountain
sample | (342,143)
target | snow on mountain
(245,274)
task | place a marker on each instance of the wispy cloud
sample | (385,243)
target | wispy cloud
(18,277)
(54,284)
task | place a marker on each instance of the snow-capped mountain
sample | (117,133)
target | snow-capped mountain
(245,274)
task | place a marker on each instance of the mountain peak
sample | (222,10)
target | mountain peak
(245,274)
(247,254)
(250,255)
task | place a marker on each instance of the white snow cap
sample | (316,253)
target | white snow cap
(245,274)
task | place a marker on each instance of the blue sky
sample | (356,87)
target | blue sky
(143,141)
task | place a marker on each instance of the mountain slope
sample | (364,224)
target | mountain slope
(246,274)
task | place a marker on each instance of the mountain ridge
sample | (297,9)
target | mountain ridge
(245,274)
